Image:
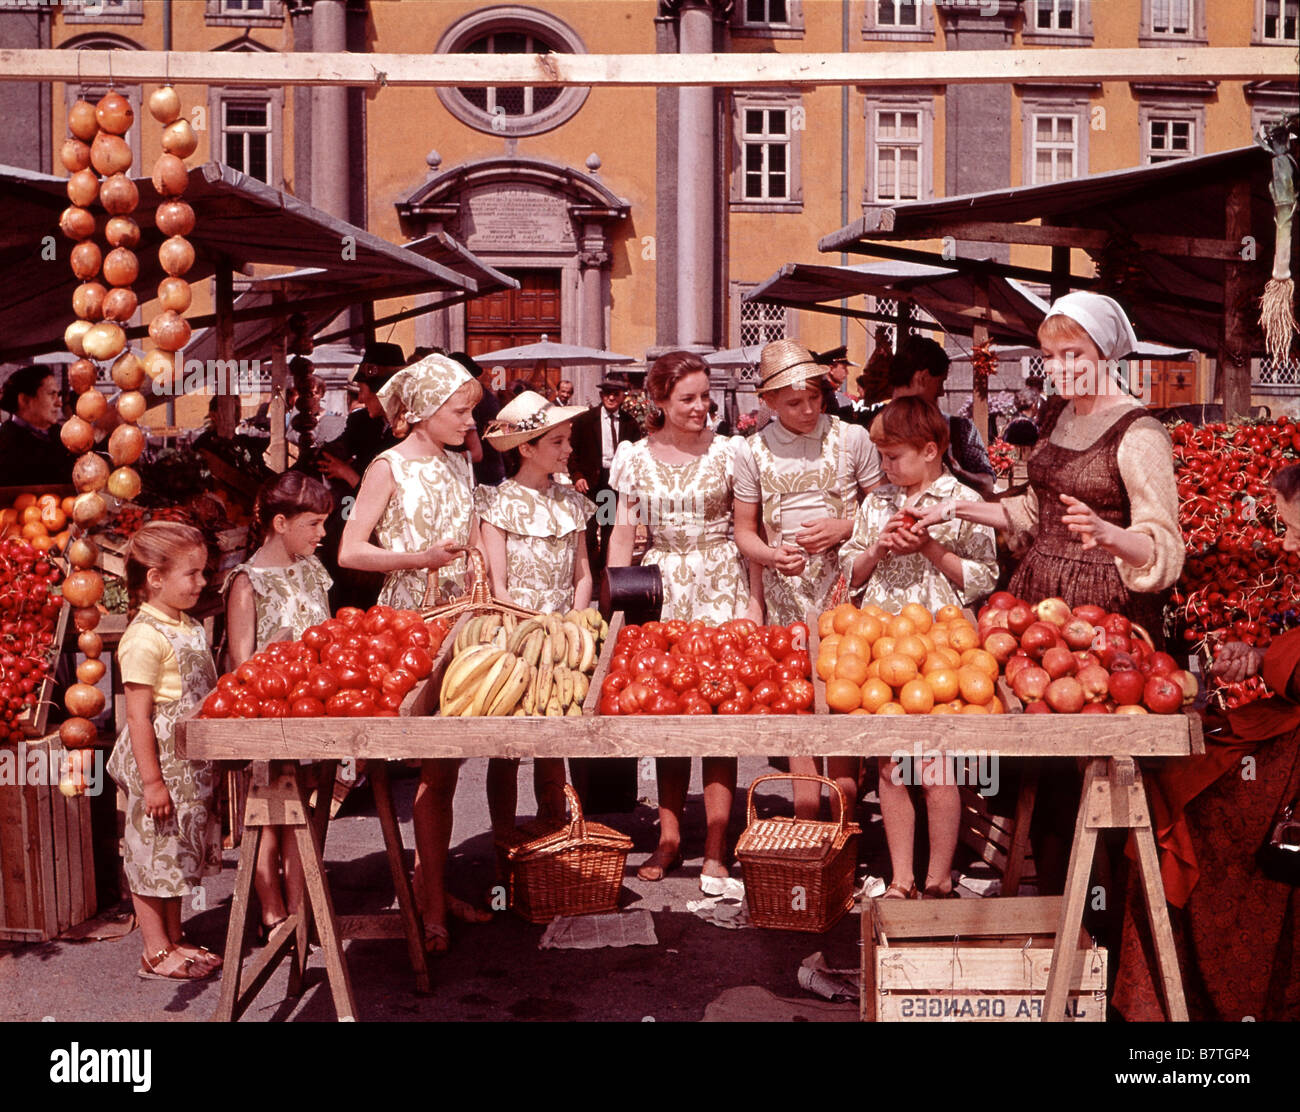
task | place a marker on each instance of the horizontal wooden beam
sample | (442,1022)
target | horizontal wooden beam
(1087,239)
(868,68)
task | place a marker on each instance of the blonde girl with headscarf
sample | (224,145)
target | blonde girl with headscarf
(417,500)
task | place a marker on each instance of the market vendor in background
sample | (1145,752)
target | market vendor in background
(30,449)
(597,435)
(1235,924)
(489,469)
(1102,509)
(802,478)
(836,401)
(678,482)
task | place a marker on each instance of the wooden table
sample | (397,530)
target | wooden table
(1113,795)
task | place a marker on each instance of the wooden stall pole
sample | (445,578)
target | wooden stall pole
(279,450)
(228,402)
(979,406)
(1060,284)
(1233,358)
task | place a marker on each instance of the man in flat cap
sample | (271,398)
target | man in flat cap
(596,437)
(836,401)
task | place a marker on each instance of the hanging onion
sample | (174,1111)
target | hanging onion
(91,405)
(75,155)
(81,375)
(174,218)
(82,553)
(122,231)
(83,700)
(170,176)
(105,340)
(88,300)
(119,195)
(179,139)
(125,446)
(85,618)
(113,113)
(120,304)
(174,294)
(82,122)
(169,330)
(77,223)
(90,472)
(128,372)
(89,508)
(110,154)
(91,671)
(78,436)
(164,104)
(83,587)
(121,267)
(86,259)
(78,733)
(72,336)
(160,364)
(131,404)
(176,256)
(83,188)
(124,483)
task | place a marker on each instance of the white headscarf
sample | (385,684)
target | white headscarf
(1102,318)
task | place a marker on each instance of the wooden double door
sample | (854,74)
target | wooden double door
(510,318)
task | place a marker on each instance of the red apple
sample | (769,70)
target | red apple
(1126,686)
(1058,661)
(1132,708)
(1159,664)
(1001,644)
(1054,610)
(1093,615)
(1038,638)
(1095,708)
(1087,658)
(1189,685)
(1116,623)
(1002,600)
(1095,681)
(1162,695)
(993,619)
(1078,634)
(1065,696)
(1038,707)
(1030,684)
(1116,660)
(1017,662)
(1019,618)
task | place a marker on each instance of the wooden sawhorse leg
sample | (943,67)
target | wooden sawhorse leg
(412,926)
(1112,797)
(1020,836)
(278,801)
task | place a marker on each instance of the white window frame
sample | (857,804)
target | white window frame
(923,31)
(516,19)
(1055,146)
(1265,380)
(1193,114)
(791,28)
(1078,35)
(1269,102)
(240,97)
(764,101)
(1196,32)
(217,13)
(1257,30)
(122,12)
(900,100)
(777,323)
(1036,101)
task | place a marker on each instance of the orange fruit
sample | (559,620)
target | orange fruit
(67,504)
(843,695)
(875,694)
(8,517)
(23,501)
(866,626)
(882,648)
(995,706)
(826,665)
(853,645)
(939,636)
(918,615)
(859,711)
(851,668)
(61,541)
(43,543)
(34,529)
(916,697)
(30,514)
(897,669)
(974,708)
(53,518)
(962,636)
(842,615)
(912,646)
(976,685)
(944,683)
(873,670)
(826,624)
(891,708)
(48,500)
(876,612)
(900,627)
(982,659)
(949,613)
(829,643)
(943,708)
(946,658)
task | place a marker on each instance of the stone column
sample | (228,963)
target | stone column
(329,123)
(593,259)
(695,186)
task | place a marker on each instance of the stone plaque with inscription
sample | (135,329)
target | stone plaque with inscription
(511,219)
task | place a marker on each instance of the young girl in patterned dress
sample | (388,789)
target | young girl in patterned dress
(418,501)
(275,596)
(534,537)
(172,837)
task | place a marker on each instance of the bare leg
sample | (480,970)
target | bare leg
(432,817)
(719,791)
(266,878)
(807,795)
(151,912)
(900,823)
(674,777)
(847,774)
(943,808)
(548,787)
(295,883)
(502,794)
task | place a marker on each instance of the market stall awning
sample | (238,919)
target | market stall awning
(241,223)
(946,293)
(1166,221)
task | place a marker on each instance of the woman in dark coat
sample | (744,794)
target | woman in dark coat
(30,449)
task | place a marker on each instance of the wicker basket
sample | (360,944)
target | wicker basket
(798,872)
(575,870)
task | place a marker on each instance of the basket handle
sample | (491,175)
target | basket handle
(477,570)
(751,815)
(578,823)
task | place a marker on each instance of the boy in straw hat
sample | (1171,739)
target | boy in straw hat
(534,536)
(797,488)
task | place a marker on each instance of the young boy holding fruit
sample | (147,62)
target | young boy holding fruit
(906,570)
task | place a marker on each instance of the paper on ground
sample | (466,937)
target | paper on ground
(830,984)
(596,932)
(726,907)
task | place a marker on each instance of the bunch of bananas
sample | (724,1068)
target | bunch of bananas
(503,665)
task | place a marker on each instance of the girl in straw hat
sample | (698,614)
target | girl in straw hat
(800,479)
(417,499)
(678,483)
(534,536)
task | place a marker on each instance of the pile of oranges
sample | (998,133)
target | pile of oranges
(42,521)
(912,662)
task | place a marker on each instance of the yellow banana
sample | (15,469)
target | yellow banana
(562,687)
(545,682)
(587,659)
(511,691)
(574,711)
(529,703)
(492,682)
(531,650)
(508,623)
(491,623)
(604,629)
(553,708)
(522,632)
(464,669)
(581,685)
(573,644)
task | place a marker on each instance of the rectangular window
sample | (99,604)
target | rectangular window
(898,13)
(898,155)
(1054,15)
(760,324)
(1168,139)
(246,131)
(765,143)
(766,11)
(243,7)
(1055,148)
(1172,17)
(1281,21)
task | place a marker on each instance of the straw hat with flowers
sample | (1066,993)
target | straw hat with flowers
(526,418)
(786,363)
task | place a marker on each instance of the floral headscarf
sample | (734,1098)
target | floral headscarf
(417,392)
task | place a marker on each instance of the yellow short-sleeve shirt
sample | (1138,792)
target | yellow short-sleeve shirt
(145,656)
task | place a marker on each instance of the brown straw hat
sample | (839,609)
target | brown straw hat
(526,418)
(786,363)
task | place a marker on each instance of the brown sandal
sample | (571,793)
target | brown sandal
(897,892)
(172,965)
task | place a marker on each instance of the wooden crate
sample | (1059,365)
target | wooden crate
(33,721)
(47,866)
(971,960)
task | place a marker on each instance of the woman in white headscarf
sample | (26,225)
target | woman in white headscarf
(1102,504)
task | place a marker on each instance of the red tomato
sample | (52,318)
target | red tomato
(799,661)
(650,662)
(755,668)
(743,697)
(782,704)
(684,677)
(740,628)
(653,641)
(218,705)
(759,708)
(248,673)
(362,706)
(609,704)
(404,620)
(778,641)
(295,670)
(273,708)
(306,707)
(245,706)
(350,677)
(229,682)
(418,662)
(731,706)
(377,619)
(300,691)
(417,636)
(336,706)
(635,698)
(765,691)
(695,645)
(621,662)
(692,702)
(351,617)
(673,630)
(653,629)
(717,689)
(336,653)
(614,682)
(322,683)
(376,674)
(800,693)
(665,702)
(399,681)
(800,638)
(724,643)
(273,684)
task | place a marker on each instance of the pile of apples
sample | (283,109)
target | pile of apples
(1081,660)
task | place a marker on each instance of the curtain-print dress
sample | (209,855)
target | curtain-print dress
(170,857)
(434,501)
(687,509)
(543,530)
(288,600)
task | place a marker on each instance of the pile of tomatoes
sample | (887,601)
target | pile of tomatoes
(691,668)
(29,612)
(1237,582)
(358,664)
